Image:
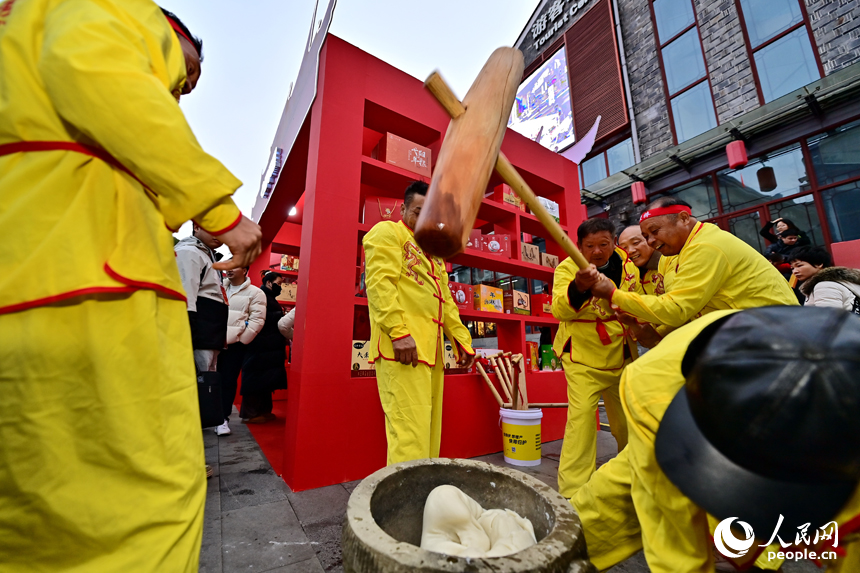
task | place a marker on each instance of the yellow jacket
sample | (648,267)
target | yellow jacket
(408,295)
(714,271)
(596,338)
(74,219)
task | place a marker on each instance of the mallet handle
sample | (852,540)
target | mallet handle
(440,90)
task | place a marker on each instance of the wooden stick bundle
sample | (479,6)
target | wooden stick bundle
(490,384)
(502,381)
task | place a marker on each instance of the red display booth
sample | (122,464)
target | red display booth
(334,422)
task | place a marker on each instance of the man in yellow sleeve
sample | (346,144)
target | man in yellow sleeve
(740,441)
(714,270)
(594,348)
(101,462)
(410,309)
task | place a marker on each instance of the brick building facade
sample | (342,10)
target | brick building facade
(781,75)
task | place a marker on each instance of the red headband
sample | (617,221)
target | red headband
(179,31)
(670,210)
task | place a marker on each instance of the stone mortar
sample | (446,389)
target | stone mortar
(384,518)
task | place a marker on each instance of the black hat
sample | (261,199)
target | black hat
(769,420)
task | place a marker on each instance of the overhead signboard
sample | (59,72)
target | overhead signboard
(299,103)
(542,110)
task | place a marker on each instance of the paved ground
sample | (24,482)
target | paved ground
(254,522)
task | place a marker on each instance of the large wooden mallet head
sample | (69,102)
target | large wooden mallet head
(468,156)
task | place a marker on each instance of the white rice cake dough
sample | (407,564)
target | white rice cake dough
(455,524)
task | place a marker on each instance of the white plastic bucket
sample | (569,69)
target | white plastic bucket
(521,436)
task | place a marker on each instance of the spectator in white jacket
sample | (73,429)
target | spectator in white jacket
(822,283)
(246,318)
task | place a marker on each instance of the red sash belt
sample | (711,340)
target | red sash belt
(601,330)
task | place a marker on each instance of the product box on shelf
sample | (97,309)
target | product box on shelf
(548,260)
(402,153)
(289,263)
(550,206)
(532,356)
(531,254)
(360,359)
(496,245)
(288,292)
(474,241)
(548,359)
(378,209)
(462,295)
(516,302)
(488,298)
(504,194)
(451,366)
(541,305)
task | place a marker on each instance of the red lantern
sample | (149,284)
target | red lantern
(737,153)
(584,212)
(639,192)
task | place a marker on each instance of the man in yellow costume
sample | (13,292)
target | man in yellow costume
(594,348)
(646,259)
(102,462)
(741,440)
(714,270)
(410,308)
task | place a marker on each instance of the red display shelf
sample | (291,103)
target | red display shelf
(335,430)
(294,274)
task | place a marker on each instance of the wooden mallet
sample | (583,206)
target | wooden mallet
(470,150)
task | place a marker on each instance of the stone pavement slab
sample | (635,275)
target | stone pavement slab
(254,522)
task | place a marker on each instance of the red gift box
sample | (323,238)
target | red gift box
(378,209)
(462,295)
(541,305)
(496,245)
(474,240)
(403,153)
(504,194)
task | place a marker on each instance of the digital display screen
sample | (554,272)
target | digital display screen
(542,109)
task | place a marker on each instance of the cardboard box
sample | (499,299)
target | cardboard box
(541,305)
(496,245)
(548,260)
(402,153)
(530,254)
(462,295)
(289,263)
(532,356)
(361,355)
(487,298)
(378,209)
(288,292)
(474,241)
(504,194)
(550,206)
(516,302)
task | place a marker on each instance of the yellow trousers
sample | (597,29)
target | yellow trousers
(579,450)
(629,504)
(412,402)
(101,456)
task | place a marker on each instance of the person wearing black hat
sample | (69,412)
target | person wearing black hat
(746,415)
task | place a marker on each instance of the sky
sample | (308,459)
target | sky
(252,51)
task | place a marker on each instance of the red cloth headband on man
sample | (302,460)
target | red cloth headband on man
(179,31)
(670,210)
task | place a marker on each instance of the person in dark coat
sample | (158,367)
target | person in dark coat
(264,369)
